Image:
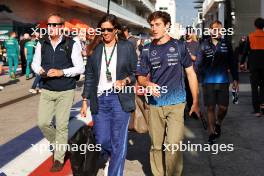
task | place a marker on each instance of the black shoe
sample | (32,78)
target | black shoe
(211,139)
(217,130)
(57,166)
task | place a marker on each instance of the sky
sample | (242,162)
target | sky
(185,12)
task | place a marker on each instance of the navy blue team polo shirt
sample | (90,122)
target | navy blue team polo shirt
(165,63)
(215,61)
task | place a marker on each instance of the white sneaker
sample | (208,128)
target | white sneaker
(40,90)
(106,168)
(1,88)
(33,91)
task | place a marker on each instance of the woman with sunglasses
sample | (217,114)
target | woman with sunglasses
(109,71)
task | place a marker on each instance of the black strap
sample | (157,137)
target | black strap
(107,62)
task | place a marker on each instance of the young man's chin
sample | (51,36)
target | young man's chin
(156,37)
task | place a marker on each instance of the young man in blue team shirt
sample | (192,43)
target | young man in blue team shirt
(165,60)
(216,59)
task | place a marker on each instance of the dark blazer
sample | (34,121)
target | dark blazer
(126,66)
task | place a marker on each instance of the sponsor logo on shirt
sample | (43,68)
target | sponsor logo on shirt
(154,53)
(172,49)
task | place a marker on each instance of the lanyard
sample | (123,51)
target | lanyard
(107,62)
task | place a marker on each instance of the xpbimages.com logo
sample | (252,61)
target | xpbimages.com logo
(66,31)
(148,90)
(182,147)
(82,148)
(207,31)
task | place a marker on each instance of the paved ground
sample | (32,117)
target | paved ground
(240,128)
(22,115)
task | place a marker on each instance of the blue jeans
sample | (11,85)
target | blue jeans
(111,130)
(37,82)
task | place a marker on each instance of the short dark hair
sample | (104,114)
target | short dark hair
(215,22)
(124,28)
(109,18)
(166,18)
(259,23)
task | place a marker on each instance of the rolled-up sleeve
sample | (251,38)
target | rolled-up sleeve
(36,63)
(77,61)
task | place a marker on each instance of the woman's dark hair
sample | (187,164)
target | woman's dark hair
(165,17)
(90,48)
(109,18)
(259,23)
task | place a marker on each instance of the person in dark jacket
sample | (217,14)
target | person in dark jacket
(22,43)
(255,52)
(109,71)
(215,60)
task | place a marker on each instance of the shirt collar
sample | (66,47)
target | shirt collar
(60,39)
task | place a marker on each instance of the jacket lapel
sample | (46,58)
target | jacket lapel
(118,61)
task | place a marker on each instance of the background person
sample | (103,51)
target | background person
(12,49)
(216,59)
(23,41)
(29,50)
(255,51)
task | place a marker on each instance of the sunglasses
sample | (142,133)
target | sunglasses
(107,29)
(54,24)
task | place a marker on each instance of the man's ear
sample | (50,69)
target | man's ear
(168,26)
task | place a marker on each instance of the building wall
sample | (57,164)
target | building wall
(29,12)
(246,12)
(212,15)
(32,11)
(262,8)
(129,5)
